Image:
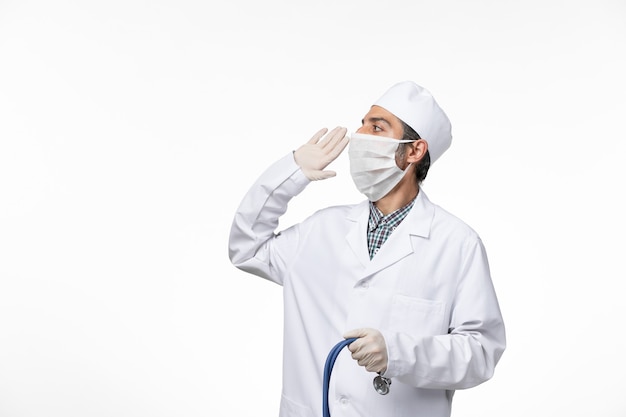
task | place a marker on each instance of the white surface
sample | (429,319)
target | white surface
(129,130)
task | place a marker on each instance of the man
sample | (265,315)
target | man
(410,281)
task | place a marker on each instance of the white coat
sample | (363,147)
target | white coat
(428,290)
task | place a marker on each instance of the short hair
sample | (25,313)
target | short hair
(421,168)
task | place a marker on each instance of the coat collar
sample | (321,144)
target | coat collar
(417,223)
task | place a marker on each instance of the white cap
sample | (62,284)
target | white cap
(416,107)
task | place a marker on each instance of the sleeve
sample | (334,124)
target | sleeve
(468,354)
(253,245)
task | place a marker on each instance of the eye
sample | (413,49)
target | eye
(377,128)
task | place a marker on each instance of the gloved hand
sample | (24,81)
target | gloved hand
(369,350)
(316,154)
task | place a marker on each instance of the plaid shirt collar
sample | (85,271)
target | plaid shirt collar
(392,220)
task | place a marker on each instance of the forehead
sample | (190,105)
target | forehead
(379,114)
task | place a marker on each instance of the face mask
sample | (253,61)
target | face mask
(373,164)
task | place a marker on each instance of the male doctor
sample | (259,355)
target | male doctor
(406,278)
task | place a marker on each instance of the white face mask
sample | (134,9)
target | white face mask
(373,164)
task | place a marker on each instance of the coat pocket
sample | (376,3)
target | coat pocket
(417,316)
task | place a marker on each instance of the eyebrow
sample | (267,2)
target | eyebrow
(376,119)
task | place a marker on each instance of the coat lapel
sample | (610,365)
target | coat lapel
(399,244)
(357,234)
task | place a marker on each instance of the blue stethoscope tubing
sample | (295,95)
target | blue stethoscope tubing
(328,369)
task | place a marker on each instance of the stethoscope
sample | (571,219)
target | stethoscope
(381,384)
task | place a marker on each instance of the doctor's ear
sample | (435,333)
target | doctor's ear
(416,151)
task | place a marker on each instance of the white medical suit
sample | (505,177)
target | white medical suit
(428,291)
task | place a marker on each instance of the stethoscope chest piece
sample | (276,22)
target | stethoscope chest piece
(381,385)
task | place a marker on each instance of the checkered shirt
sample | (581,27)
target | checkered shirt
(380,227)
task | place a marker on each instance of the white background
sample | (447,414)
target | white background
(129,131)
